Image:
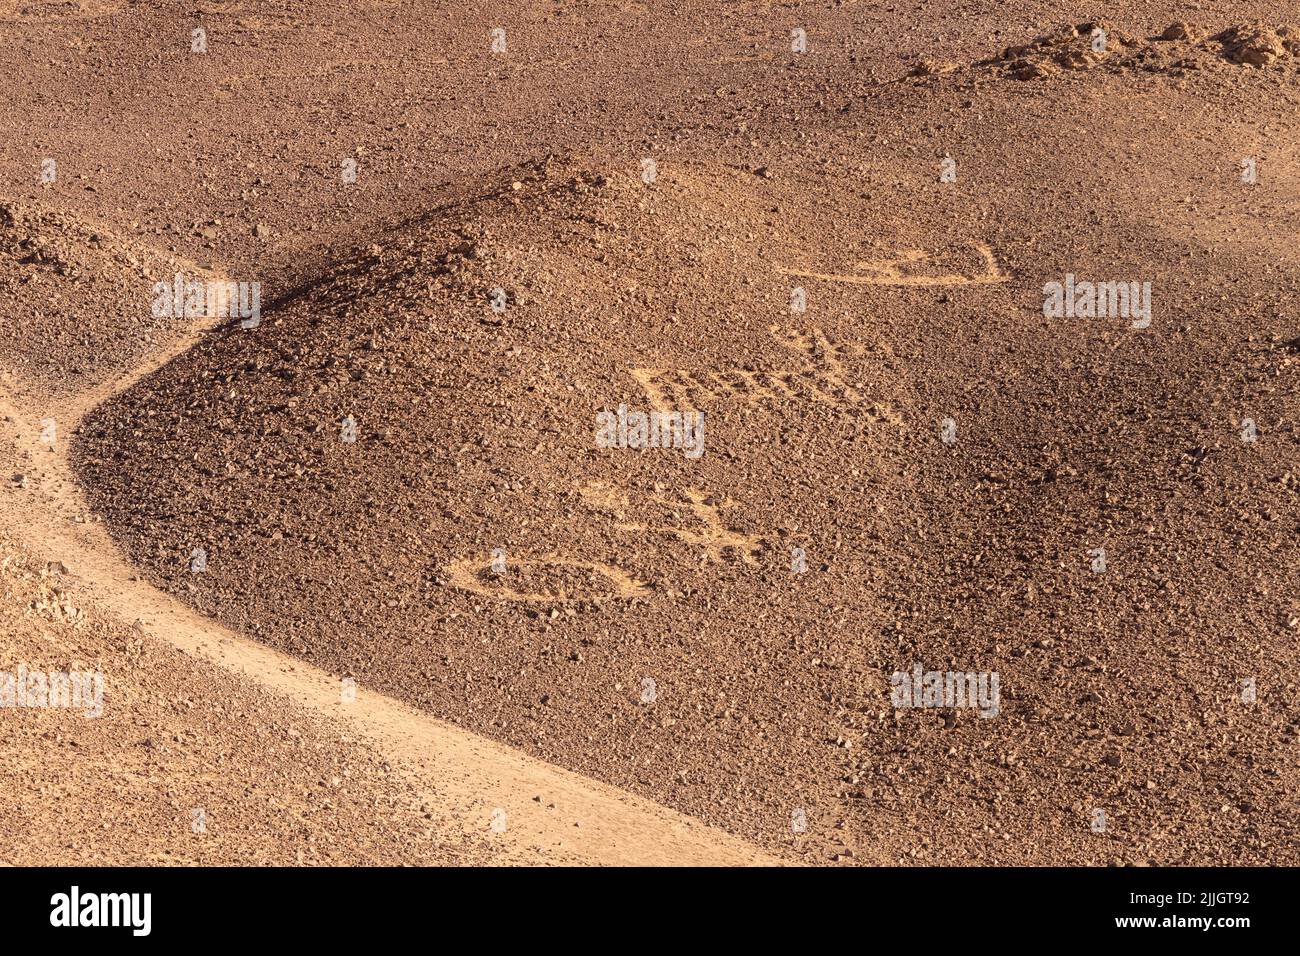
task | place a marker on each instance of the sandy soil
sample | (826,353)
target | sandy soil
(567,653)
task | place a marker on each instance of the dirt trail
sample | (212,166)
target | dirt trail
(551,815)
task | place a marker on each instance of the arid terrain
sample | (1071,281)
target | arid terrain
(366,585)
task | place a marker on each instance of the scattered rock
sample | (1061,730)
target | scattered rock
(1178,31)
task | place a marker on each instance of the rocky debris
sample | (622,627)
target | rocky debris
(1179,31)
(1068,48)
(1258,45)
(86,294)
(1072,49)
(928,67)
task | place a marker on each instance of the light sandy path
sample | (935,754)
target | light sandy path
(576,820)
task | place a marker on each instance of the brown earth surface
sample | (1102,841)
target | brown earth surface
(615,211)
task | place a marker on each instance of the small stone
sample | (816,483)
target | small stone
(1178,31)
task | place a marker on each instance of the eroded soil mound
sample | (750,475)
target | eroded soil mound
(397,476)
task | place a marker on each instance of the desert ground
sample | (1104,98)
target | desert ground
(365,586)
